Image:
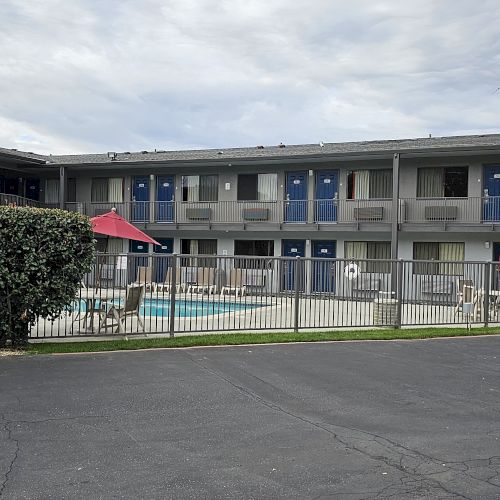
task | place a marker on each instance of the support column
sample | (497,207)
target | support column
(62,187)
(395,221)
(395,207)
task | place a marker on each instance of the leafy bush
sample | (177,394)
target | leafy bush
(43,257)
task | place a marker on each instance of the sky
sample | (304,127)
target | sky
(129,75)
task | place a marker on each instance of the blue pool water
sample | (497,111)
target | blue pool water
(188,308)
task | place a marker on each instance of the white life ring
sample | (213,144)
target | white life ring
(351,271)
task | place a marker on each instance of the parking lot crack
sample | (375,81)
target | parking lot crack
(390,453)
(8,430)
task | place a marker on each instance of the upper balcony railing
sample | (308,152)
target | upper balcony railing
(472,210)
(450,210)
(246,212)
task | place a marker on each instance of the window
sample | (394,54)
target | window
(253,248)
(200,188)
(52,191)
(71,194)
(109,245)
(107,190)
(379,250)
(199,247)
(261,187)
(451,252)
(444,182)
(369,184)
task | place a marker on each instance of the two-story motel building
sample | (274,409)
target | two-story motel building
(431,198)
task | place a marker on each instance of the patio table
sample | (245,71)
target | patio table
(91,297)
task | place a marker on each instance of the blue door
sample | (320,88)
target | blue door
(326,196)
(140,199)
(491,210)
(165,190)
(296,197)
(134,261)
(33,189)
(11,186)
(292,248)
(161,262)
(323,272)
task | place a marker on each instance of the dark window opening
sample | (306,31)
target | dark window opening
(248,187)
(442,182)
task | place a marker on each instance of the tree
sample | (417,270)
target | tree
(43,256)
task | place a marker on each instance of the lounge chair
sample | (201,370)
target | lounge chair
(145,277)
(132,306)
(205,281)
(235,284)
(166,286)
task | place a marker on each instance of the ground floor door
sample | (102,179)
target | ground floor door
(33,189)
(290,272)
(323,271)
(161,262)
(11,186)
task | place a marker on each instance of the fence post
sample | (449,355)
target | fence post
(399,293)
(297,275)
(173,290)
(487,274)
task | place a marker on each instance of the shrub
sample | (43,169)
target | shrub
(43,257)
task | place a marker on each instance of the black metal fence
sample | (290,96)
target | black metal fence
(177,294)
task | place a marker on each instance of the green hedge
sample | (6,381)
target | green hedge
(43,256)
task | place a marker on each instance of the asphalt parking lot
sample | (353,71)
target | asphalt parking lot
(402,420)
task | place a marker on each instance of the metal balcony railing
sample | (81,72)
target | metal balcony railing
(471,210)
(245,212)
(453,210)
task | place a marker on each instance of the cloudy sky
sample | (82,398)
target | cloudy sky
(125,75)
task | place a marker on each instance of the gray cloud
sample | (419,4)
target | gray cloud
(123,75)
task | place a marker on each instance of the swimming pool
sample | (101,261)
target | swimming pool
(192,308)
(188,308)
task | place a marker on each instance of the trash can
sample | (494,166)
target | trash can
(385,311)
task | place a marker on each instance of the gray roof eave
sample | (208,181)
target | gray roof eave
(287,159)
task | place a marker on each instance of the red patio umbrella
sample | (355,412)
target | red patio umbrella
(111,224)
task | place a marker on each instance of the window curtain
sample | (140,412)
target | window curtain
(115,190)
(52,191)
(361,185)
(115,245)
(430,183)
(355,250)
(425,251)
(207,247)
(454,252)
(267,187)
(208,187)
(380,250)
(193,247)
(99,191)
(192,185)
(380,184)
